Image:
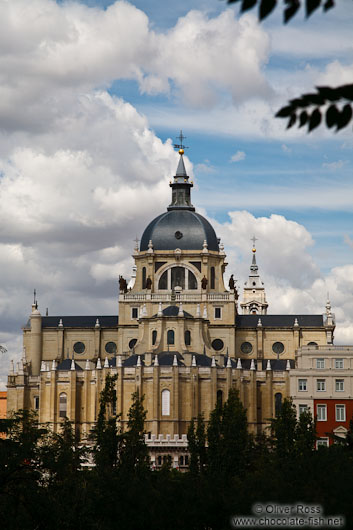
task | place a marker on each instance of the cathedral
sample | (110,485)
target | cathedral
(182,339)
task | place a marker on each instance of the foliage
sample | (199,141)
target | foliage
(291,7)
(310,109)
(43,484)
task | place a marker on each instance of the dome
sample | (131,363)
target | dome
(184,229)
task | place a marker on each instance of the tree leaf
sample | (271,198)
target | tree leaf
(284,112)
(315,120)
(328,4)
(344,117)
(290,11)
(248,4)
(292,120)
(266,7)
(331,116)
(311,6)
(327,92)
(313,99)
(303,118)
(346,91)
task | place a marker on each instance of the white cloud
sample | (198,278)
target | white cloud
(286,149)
(238,156)
(334,166)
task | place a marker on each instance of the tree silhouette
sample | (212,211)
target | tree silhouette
(332,103)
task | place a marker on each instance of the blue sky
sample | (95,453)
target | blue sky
(92,96)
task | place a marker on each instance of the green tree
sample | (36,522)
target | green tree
(197,445)
(283,429)
(305,434)
(105,433)
(134,457)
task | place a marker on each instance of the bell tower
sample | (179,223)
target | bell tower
(254,297)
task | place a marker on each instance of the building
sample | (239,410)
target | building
(323,383)
(179,339)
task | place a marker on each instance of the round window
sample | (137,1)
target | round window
(217,344)
(110,347)
(278,347)
(79,347)
(178,234)
(246,347)
(132,343)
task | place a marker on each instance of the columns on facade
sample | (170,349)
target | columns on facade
(35,355)
(175,399)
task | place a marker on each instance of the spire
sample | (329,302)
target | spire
(181,196)
(254,297)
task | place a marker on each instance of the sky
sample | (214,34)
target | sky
(92,97)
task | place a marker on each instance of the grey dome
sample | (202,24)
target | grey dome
(184,229)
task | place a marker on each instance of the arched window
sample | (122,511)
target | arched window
(213,278)
(220,398)
(170,336)
(177,277)
(187,338)
(62,405)
(163,281)
(278,403)
(154,337)
(192,282)
(143,277)
(165,402)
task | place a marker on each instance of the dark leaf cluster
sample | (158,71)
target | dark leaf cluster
(290,7)
(330,105)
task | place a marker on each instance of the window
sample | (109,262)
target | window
(246,347)
(177,277)
(218,312)
(181,460)
(278,403)
(278,347)
(132,344)
(192,280)
(302,408)
(340,412)
(159,461)
(170,336)
(321,442)
(110,347)
(218,344)
(154,337)
(213,278)
(302,385)
(220,398)
(165,403)
(187,338)
(134,312)
(339,385)
(321,385)
(79,347)
(163,281)
(186,460)
(321,412)
(62,405)
(312,343)
(36,402)
(339,364)
(320,364)
(143,277)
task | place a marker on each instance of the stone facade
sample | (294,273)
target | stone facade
(179,339)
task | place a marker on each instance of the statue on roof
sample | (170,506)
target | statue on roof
(204,282)
(122,284)
(148,283)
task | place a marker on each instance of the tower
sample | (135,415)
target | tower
(254,298)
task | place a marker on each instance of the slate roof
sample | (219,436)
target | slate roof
(279,321)
(193,227)
(172,311)
(85,321)
(65,365)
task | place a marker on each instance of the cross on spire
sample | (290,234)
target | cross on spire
(136,243)
(253,239)
(181,137)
